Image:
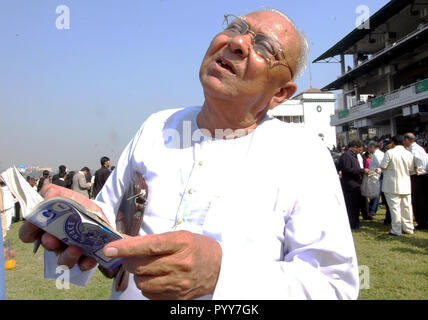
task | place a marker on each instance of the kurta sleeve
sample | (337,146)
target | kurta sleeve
(385,161)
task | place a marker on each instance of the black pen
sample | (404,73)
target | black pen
(36,245)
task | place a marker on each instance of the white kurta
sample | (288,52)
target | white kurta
(376,160)
(276,210)
(397,164)
(360,160)
(420,157)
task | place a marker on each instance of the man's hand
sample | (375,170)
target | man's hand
(366,171)
(175,265)
(67,255)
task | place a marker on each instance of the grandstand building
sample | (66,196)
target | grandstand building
(384,90)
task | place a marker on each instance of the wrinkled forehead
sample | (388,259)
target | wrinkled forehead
(270,23)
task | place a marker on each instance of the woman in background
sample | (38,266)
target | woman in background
(366,158)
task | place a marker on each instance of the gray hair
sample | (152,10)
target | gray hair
(372,144)
(302,60)
(410,136)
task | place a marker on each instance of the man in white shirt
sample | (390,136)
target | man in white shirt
(360,158)
(397,165)
(419,181)
(209,231)
(376,160)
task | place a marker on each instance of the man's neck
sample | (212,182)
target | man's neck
(210,119)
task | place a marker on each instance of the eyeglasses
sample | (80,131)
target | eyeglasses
(264,45)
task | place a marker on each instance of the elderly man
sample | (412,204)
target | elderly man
(419,181)
(209,231)
(397,165)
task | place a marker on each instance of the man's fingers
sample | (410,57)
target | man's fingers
(152,285)
(87,263)
(52,190)
(147,265)
(150,245)
(29,232)
(70,256)
(162,288)
(52,243)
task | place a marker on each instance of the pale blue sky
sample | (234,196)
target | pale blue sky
(72,96)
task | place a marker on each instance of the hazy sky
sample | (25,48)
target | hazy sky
(72,96)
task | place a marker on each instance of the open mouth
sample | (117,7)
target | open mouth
(224,65)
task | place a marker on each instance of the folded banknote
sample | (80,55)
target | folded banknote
(65,219)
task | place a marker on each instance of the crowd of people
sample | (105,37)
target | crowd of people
(81,181)
(397,168)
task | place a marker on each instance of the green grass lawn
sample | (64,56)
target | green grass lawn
(398,268)
(26,281)
(398,265)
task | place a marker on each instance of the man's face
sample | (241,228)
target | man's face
(107,164)
(390,146)
(371,149)
(248,78)
(407,143)
(356,150)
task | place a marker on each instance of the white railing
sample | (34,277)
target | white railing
(393,99)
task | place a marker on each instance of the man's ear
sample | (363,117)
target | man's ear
(283,94)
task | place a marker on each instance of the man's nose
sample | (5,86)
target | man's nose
(240,45)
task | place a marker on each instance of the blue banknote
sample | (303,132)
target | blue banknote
(75,225)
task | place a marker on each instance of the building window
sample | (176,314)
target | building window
(298,119)
(291,119)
